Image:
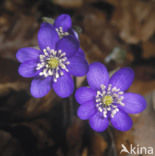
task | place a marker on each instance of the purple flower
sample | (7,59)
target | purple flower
(63,26)
(52,65)
(105,101)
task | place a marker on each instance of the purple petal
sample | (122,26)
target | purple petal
(64,86)
(26,54)
(74,33)
(80,52)
(84,94)
(85,111)
(78,66)
(40,87)
(47,36)
(69,45)
(122,79)
(63,21)
(97,75)
(134,103)
(28,69)
(121,121)
(97,123)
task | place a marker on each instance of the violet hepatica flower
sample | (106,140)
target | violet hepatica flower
(53,65)
(105,101)
(63,26)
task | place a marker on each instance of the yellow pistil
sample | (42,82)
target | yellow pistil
(53,63)
(107,100)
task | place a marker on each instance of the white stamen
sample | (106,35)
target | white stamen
(41,73)
(98,100)
(100,109)
(64,59)
(55,80)
(52,51)
(61,33)
(67,62)
(59,51)
(121,93)
(105,113)
(41,56)
(109,87)
(103,86)
(61,73)
(48,48)
(50,72)
(121,103)
(108,108)
(57,75)
(63,54)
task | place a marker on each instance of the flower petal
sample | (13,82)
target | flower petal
(28,69)
(74,33)
(80,52)
(84,94)
(69,45)
(85,111)
(40,87)
(121,121)
(134,103)
(97,123)
(64,86)
(63,21)
(122,79)
(47,36)
(78,66)
(26,54)
(97,75)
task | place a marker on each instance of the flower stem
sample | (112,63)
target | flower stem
(69,108)
(72,106)
(113,146)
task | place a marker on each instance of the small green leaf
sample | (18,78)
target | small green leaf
(48,20)
(118,55)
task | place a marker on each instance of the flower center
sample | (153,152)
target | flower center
(53,63)
(107,100)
